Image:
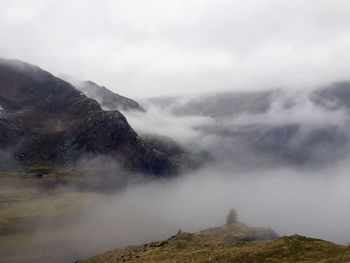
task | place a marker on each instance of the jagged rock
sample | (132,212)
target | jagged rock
(106,98)
(48,122)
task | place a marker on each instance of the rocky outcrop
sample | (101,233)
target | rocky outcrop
(48,122)
(106,98)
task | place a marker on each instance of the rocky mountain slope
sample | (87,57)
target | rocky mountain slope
(45,121)
(235,243)
(106,98)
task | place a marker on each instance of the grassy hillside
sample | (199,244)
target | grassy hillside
(210,246)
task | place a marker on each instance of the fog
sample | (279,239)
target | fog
(284,167)
(289,201)
(310,200)
(291,108)
(161,121)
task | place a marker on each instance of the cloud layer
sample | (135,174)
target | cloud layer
(158,47)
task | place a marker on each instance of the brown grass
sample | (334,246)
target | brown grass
(199,248)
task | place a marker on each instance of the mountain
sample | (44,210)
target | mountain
(46,122)
(228,244)
(218,104)
(276,126)
(334,96)
(107,98)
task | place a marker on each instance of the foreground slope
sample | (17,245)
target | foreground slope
(199,247)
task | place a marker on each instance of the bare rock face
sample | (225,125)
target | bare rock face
(106,98)
(48,122)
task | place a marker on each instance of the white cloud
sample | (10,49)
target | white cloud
(149,48)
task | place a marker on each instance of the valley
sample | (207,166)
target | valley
(79,177)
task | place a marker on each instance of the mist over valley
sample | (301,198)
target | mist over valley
(174,132)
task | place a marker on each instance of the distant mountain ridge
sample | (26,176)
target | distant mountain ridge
(278,126)
(218,104)
(230,103)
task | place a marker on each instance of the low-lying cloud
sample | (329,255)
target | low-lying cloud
(290,199)
(161,121)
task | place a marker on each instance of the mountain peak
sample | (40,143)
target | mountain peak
(107,98)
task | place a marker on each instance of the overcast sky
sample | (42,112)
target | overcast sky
(162,47)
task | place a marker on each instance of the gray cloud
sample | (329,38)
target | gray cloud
(152,48)
(157,47)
